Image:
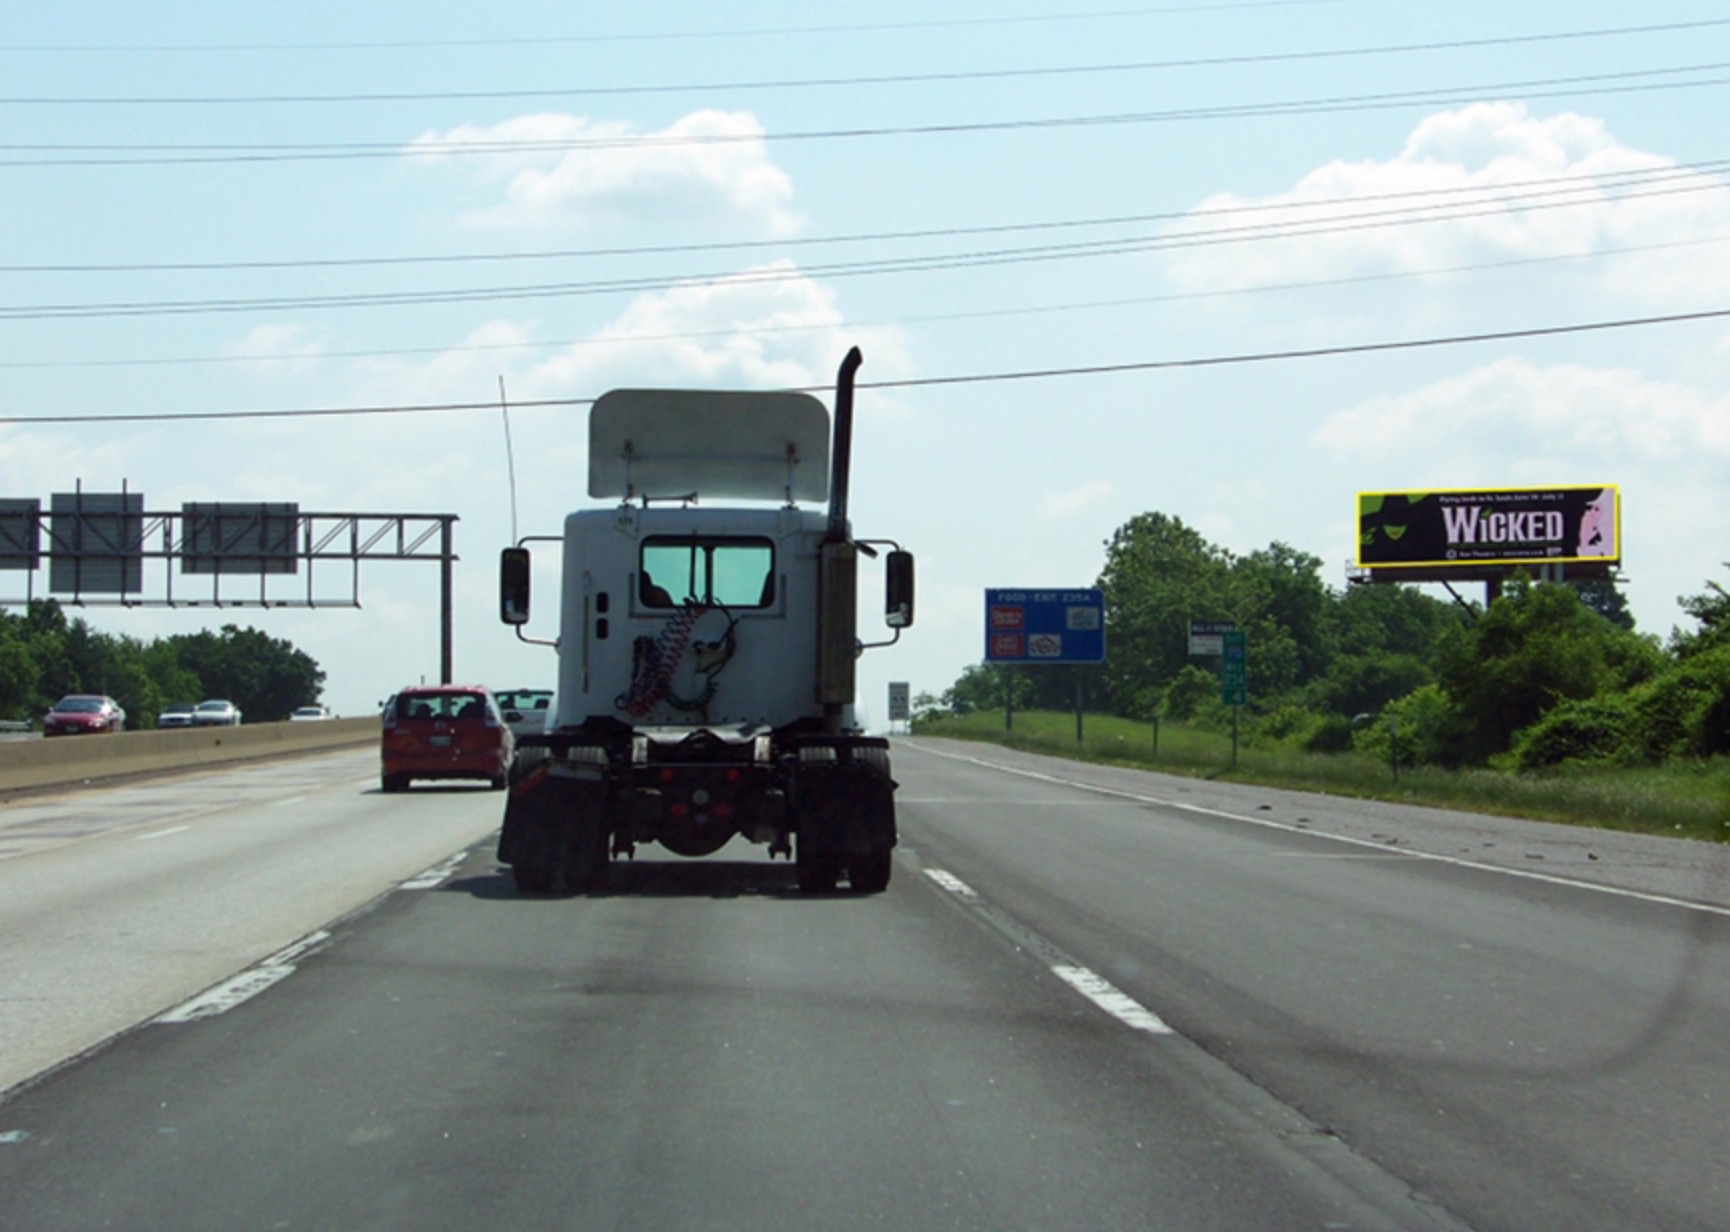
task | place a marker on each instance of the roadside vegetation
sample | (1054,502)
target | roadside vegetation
(1548,703)
(44,656)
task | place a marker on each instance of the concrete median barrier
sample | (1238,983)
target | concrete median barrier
(73,759)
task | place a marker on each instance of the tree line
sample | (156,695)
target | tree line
(44,656)
(1545,673)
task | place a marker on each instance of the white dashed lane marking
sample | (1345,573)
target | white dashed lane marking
(1096,988)
(435,876)
(248,984)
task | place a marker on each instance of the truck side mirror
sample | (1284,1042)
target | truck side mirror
(514,586)
(898,583)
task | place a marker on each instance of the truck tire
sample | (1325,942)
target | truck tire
(393,782)
(588,859)
(869,874)
(818,874)
(532,878)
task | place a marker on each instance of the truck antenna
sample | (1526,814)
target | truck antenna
(510,454)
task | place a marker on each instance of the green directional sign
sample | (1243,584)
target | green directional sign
(1234,668)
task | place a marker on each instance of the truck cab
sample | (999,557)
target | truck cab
(707,641)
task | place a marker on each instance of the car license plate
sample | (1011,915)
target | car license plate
(439,741)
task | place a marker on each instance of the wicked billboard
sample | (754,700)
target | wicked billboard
(1496,526)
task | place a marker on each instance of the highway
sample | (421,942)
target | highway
(272,997)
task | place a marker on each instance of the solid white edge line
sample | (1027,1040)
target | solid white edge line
(143,838)
(1662,900)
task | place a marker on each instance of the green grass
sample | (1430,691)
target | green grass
(1684,800)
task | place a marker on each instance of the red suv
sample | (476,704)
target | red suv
(444,731)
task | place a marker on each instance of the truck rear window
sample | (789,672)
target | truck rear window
(728,572)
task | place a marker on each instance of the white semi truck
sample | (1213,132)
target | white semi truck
(707,644)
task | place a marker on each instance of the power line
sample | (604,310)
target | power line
(1612,179)
(1028,374)
(130,154)
(881,79)
(538,40)
(1278,229)
(919,319)
(1260,357)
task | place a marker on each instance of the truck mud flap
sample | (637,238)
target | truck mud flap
(845,808)
(554,830)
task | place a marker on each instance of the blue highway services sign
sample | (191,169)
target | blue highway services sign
(1045,626)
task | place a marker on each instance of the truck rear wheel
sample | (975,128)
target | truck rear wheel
(869,874)
(532,878)
(818,873)
(588,858)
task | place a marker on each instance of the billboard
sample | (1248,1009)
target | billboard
(1044,626)
(1489,526)
(229,538)
(96,543)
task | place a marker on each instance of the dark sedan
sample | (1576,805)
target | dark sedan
(81,714)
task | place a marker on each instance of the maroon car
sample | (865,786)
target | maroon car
(80,714)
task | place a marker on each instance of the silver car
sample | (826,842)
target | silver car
(216,713)
(525,710)
(175,714)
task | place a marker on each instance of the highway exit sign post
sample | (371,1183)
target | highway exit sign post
(1043,627)
(1234,678)
(1233,668)
(900,702)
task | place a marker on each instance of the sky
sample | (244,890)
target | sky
(1230,262)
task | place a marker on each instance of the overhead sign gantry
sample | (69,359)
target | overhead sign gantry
(102,549)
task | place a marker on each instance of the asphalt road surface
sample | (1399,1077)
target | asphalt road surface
(1091,998)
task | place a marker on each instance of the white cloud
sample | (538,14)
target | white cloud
(1076,500)
(766,327)
(285,342)
(34,461)
(587,170)
(1455,162)
(467,372)
(1514,413)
